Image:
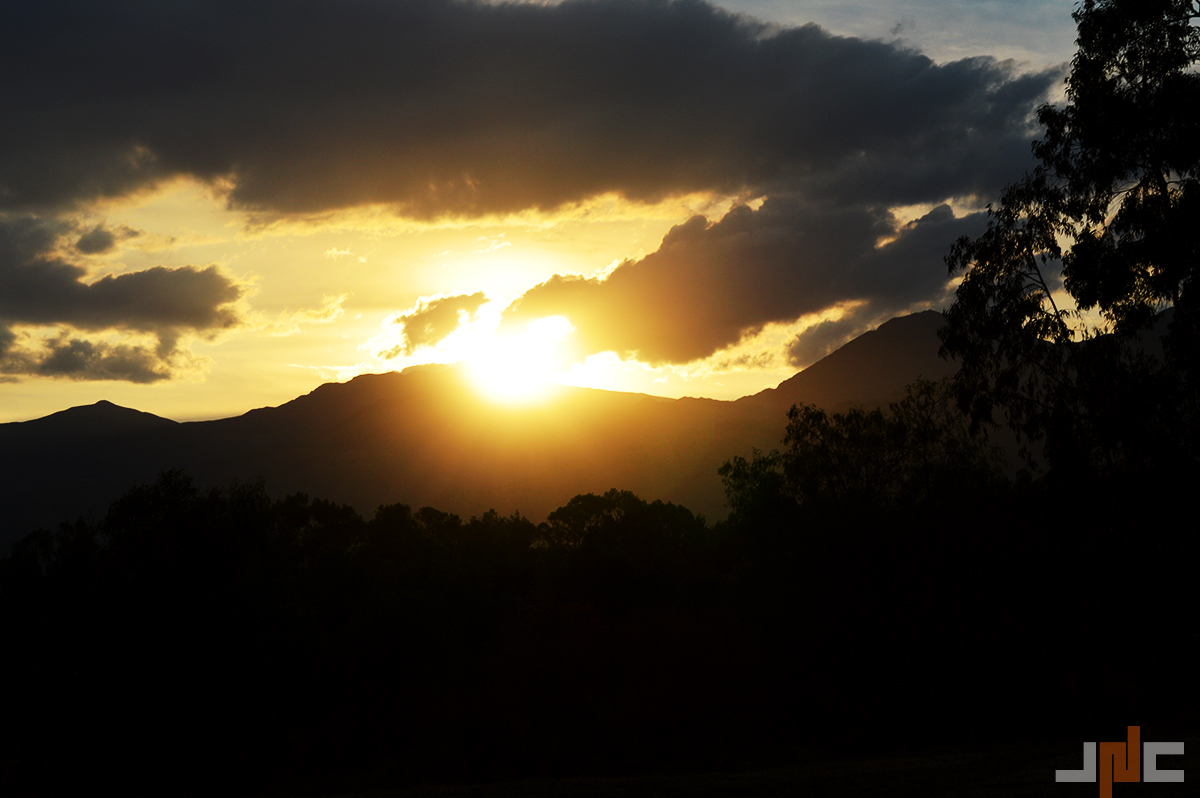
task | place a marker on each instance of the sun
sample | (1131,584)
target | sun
(523,367)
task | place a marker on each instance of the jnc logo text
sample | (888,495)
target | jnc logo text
(1123,762)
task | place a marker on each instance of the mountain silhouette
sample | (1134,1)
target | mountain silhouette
(870,370)
(425,437)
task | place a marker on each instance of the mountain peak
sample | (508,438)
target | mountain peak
(870,370)
(96,419)
(424,437)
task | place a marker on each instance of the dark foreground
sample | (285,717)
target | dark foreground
(223,642)
(1014,770)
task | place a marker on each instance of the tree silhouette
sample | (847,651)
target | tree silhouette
(1105,218)
(919,454)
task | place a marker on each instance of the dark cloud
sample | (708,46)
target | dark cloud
(7,339)
(434,319)
(79,359)
(100,239)
(40,288)
(440,106)
(96,241)
(85,360)
(822,338)
(710,284)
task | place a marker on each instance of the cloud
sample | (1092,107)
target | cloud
(7,339)
(539,105)
(80,359)
(431,320)
(819,340)
(96,241)
(289,323)
(40,288)
(84,360)
(903,25)
(446,108)
(66,356)
(100,239)
(710,284)
(492,244)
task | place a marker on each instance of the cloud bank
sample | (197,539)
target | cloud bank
(39,288)
(434,319)
(464,107)
(445,108)
(711,283)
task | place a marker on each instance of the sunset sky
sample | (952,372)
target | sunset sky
(207,207)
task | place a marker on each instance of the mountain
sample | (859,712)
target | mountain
(870,370)
(424,437)
(72,463)
(99,421)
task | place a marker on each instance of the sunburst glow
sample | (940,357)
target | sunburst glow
(521,367)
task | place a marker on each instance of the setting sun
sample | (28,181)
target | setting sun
(521,367)
(493,396)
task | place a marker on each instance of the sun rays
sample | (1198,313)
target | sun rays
(521,366)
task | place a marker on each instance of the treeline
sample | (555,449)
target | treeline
(192,637)
(881,582)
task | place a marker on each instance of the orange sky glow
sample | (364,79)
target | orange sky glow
(540,213)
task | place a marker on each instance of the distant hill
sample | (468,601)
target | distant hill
(870,370)
(424,437)
(72,463)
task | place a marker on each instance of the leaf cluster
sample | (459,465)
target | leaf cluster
(916,456)
(1099,230)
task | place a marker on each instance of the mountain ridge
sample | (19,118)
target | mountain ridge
(424,437)
(853,373)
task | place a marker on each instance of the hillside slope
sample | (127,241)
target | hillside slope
(424,437)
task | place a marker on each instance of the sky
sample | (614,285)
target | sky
(207,207)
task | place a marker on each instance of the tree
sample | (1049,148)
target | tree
(919,456)
(620,517)
(1096,239)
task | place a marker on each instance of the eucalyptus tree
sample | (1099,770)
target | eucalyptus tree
(1085,252)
